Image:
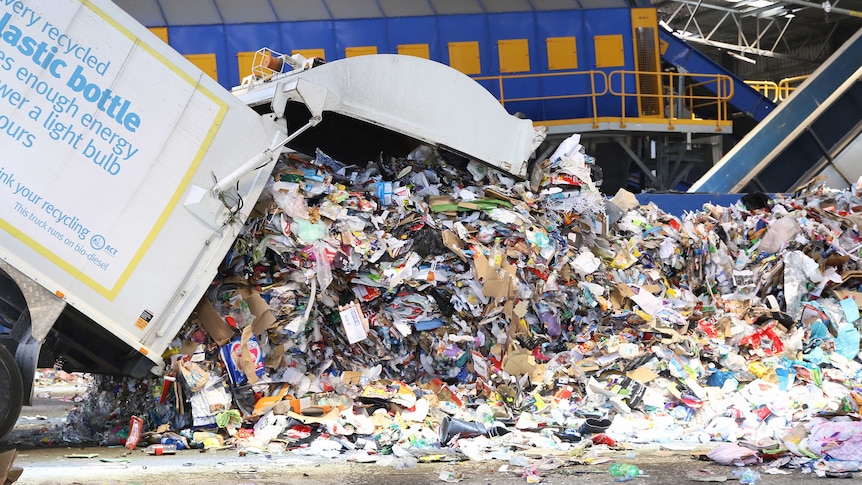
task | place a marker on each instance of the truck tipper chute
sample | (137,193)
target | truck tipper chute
(126,174)
(393,103)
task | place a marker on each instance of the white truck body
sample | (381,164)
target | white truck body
(109,137)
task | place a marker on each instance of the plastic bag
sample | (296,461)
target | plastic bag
(733,454)
(308,232)
(287,199)
(323,254)
(779,233)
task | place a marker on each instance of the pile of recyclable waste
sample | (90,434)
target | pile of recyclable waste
(428,307)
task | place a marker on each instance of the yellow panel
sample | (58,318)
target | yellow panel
(464,56)
(161,32)
(244,60)
(662,46)
(646,48)
(360,51)
(562,53)
(644,17)
(309,53)
(205,62)
(514,55)
(645,33)
(609,50)
(416,50)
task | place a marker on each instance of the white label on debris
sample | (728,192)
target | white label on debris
(353,321)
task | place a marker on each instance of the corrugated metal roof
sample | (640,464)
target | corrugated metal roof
(300,10)
(506,5)
(146,12)
(188,12)
(355,9)
(454,7)
(246,11)
(400,8)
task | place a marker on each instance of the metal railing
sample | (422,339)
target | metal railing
(789,84)
(624,86)
(711,92)
(598,82)
(769,89)
(266,64)
(778,91)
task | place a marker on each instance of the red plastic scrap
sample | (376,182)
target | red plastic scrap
(136,428)
(764,340)
(707,326)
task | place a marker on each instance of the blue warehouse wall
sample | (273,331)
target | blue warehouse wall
(563,24)
(386,34)
(308,35)
(464,28)
(203,39)
(248,38)
(507,26)
(612,22)
(415,30)
(359,33)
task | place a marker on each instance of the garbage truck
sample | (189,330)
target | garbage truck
(126,173)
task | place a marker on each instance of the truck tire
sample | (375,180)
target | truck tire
(10,402)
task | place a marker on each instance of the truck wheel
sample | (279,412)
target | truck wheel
(10,403)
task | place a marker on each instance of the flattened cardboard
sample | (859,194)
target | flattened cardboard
(454,243)
(625,200)
(538,373)
(836,260)
(292,405)
(263,317)
(619,295)
(641,374)
(442,391)
(275,356)
(495,284)
(246,361)
(268,403)
(483,268)
(213,323)
(848,275)
(519,362)
(494,194)
(351,377)
(8,473)
(521,308)
(497,288)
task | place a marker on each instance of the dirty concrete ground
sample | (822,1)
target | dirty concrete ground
(46,459)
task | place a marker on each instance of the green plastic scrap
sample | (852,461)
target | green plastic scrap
(228,417)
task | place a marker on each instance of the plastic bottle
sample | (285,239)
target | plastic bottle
(723,270)
(624,470)
(161,449)
(496,259)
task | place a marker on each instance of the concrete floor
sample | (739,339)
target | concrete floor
(46,459)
